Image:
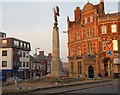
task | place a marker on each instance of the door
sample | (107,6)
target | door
(90,72)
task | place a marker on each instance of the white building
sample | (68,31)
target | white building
(14,57)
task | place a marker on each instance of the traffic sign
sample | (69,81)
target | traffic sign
(109,50)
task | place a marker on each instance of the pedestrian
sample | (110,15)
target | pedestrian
(16,83)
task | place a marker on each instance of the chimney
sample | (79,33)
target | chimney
(101,8)
(77,14)
(41,52)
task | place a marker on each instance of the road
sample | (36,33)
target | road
(106,88)
(102,87)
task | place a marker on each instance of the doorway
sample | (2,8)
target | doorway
(90,72)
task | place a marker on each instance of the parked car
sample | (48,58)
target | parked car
(11,80)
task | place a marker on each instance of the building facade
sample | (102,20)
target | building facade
(40,64)
(14,56)
(88,35)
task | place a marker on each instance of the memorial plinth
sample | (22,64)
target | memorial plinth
(56,63)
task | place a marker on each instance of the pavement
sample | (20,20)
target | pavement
(32,87)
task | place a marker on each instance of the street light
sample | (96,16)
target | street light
(72,61)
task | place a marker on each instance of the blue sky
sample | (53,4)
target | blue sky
(32,20)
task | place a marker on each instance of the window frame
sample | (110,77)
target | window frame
(23,65)
(91,18)
(5,53)
(89,48)
(77,36)
(4,41)
(4,65)
(104,46)
(28,46)
(27,64)
(24,54)
(25,45)
(114,27)
(16,43)
(103,29)
(86,20)
(21,44)
(115,45)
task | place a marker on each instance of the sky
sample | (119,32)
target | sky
(33,20)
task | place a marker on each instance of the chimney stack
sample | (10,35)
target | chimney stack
(101,8)
(77,14)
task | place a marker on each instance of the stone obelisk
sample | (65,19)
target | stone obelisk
(56,63)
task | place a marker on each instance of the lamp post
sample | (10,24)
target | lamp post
(71,62)
(36,60)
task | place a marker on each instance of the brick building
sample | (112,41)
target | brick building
(88,35)
(40,64)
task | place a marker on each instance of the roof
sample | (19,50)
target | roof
(112,16)
(16,39)
(88,7)
(39,58)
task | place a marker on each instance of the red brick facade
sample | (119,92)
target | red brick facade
(87,37)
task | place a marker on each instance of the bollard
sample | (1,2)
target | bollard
(16,83)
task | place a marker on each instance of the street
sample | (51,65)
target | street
(110,88)
(102,87)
